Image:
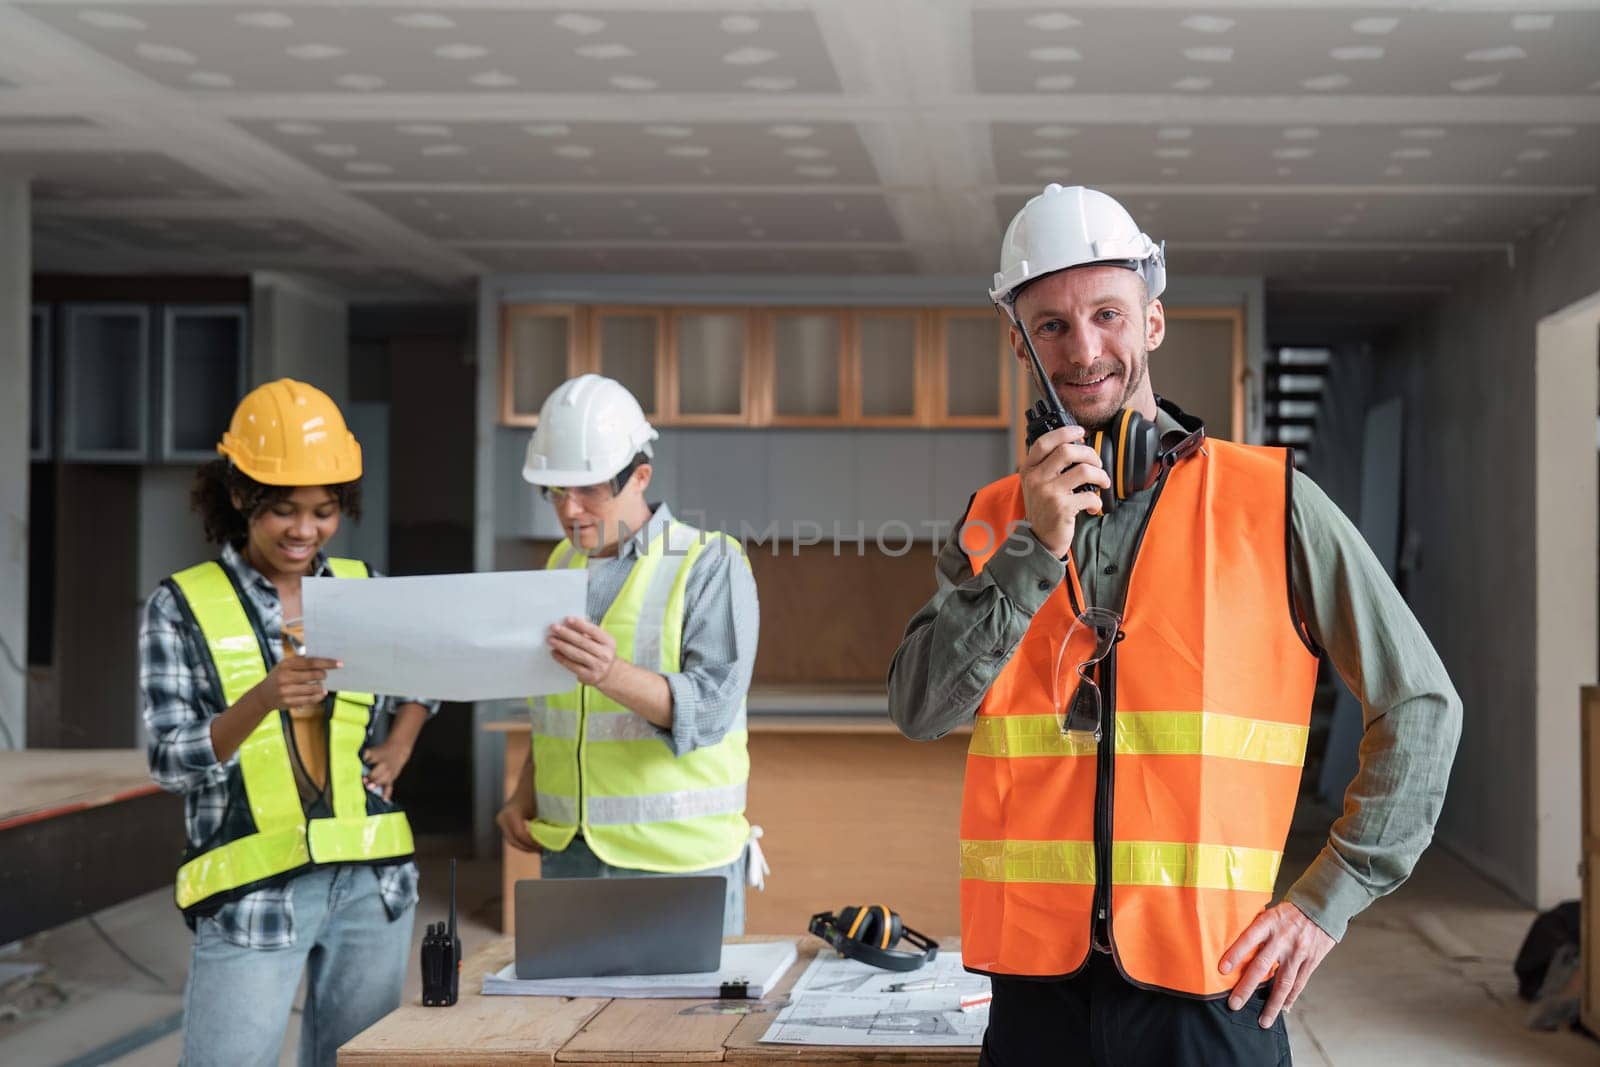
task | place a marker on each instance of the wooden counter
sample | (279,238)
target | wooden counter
(852,812)
(80,830)
(502,1030)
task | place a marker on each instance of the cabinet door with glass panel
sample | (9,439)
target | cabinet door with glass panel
(106,383)
(204,349)
(972,366)
(709,366)
(808,372)
(629,345)
(541,346)
(889,366)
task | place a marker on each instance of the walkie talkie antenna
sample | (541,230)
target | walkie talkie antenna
(452,930)
(1041,380)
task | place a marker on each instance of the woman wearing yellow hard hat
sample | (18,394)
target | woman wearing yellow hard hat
(298,863)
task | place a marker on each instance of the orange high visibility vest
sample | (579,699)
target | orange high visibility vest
(1173,826)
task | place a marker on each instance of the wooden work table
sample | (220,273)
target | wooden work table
(501,1030)
(852,813)
(80,830)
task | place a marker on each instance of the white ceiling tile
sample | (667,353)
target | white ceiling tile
(740,153)
(678,51)
(1270,50)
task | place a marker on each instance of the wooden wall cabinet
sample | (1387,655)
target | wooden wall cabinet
(711,366)
(889,366)
(630,345)
(541,346)
(972,365)
(808,367)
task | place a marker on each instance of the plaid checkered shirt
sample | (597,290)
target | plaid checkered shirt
(179,702)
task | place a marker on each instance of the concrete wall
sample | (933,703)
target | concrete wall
(1466,371)
(301,331)
(15,303)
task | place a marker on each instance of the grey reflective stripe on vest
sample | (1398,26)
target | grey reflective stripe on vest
(667,807)
(556,809)
(627,726)
(653,610)
(619,726)
(556,723)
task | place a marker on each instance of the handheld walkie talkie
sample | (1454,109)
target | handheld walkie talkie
(1049,413)
(441,958)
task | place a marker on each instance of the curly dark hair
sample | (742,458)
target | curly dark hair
(218,482)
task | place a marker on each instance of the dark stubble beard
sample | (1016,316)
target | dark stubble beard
(1131,384)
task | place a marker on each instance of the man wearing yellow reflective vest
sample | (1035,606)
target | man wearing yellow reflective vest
(1131,626)
(298,861)
(640,769)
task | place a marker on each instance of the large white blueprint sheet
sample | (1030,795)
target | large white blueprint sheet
(839,1001)
(443,636)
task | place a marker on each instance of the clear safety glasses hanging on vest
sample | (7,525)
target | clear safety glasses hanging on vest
(1077,695)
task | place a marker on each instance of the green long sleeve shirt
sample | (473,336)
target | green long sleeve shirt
(958,642)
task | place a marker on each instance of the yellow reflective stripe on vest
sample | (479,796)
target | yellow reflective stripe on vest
(240,862)
(371,837)
(1147,733)
(1024,735)
(1202,733)
(228,633)
(347,732)
(230,637)
(1056,862)
(1139,863)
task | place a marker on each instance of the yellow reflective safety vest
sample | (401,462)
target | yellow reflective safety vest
(266,835)
(602,769)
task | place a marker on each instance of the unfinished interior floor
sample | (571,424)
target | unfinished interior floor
(1387,994)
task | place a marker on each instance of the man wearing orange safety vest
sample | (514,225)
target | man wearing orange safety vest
(1131,624)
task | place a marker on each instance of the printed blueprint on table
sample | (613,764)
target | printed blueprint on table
(932,1018)
(839,1001)
(833,973)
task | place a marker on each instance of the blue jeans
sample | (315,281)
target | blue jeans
(237,1001)
(577,861)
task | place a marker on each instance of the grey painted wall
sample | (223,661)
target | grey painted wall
(1466,373)
(748,480)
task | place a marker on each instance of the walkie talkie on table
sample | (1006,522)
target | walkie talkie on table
(441,958)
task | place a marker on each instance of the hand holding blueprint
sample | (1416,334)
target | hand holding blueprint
(443,636)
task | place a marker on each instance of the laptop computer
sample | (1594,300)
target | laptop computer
(596,927)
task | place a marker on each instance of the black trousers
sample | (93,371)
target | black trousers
(1101,1018)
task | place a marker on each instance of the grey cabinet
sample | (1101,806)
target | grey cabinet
(204,352)
(118,403)
(41,420)
(105,412)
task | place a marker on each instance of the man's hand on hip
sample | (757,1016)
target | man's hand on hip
(1280,935)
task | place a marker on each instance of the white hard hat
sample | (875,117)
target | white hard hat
(589,429)
(1073,227)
